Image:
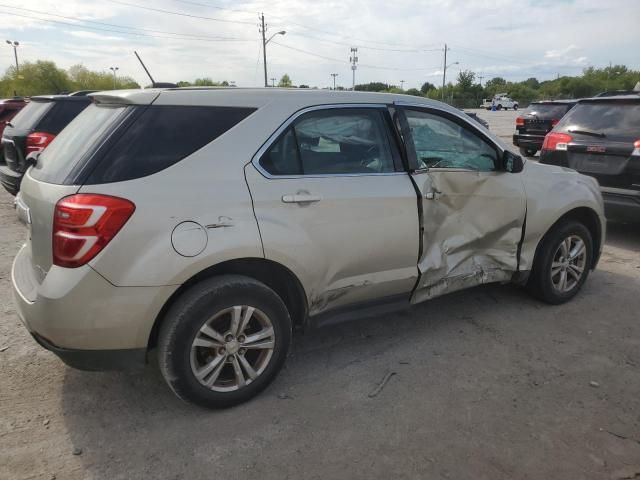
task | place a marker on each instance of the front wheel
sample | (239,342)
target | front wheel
(224,341)
(562,263)
(499,107)
(515,107)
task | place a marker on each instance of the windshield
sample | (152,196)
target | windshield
(74,142)
(31,114)
(547,111)
(614,119)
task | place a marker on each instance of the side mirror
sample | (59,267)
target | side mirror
(511,162)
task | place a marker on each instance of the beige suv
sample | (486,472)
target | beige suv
(209,223)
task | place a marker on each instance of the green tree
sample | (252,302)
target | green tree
(39,78)
(466,79)
(285,81)
(373,87)
(426,87)
(414,91)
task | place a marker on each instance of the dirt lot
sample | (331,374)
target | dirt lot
(488,384)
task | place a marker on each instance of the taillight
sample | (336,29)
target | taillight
(519,121)
(556,141)
(83,224)
(38,141)
(636,148)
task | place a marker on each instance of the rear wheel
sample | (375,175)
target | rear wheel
(224,341)
(515,107)
(562,264)
(499,107)
(527,152)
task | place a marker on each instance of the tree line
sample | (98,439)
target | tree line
(44,77)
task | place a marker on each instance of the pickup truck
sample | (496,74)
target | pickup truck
(500,101)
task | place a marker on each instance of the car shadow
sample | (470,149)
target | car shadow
(130,425)
(624,235)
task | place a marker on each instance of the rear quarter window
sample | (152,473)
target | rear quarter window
(161,136)
(616,119)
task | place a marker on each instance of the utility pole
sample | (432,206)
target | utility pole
(114,70)
(263,30)
(273,81)
(444,72)
(334,75)
(265,40)
(480,77)
(354,60)
(401,84)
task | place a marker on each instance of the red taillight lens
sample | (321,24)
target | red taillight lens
(84,224)
(38,141)
(636,148)
(556,141)
(519,121)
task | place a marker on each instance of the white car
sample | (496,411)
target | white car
(500,101)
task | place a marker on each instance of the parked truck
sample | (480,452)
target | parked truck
(500,101)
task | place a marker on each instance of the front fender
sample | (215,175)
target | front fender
(552,192)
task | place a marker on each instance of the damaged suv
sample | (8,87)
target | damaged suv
(209,223)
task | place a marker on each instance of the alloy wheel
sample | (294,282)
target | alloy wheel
(569,264)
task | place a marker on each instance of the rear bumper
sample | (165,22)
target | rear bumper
(621,205)
(528,141)
(97,360)
(88,322)
(10,180)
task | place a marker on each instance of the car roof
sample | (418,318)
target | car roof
(615,98)
(556,102)
(257,97)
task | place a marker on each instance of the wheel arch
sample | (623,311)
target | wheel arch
(589,218)
(275,275)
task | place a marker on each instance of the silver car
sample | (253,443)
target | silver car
(210,223)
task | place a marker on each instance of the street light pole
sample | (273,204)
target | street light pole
(334,75)
(263,30)
(15,46)
(273,81)
(114,70)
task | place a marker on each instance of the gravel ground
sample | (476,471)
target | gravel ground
(485,384)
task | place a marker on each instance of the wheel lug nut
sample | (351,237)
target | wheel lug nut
(228,338)
(241,338)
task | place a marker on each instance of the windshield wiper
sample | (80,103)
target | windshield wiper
(588,132)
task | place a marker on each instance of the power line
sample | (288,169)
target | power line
(199,37)
(377,67)
(124,33)
(364,47)
(169,12)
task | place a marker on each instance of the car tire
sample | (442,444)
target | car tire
(499,107)
(527,152)
(553,277)
(515,107)
(207,359)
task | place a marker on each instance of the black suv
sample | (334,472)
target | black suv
(32,130)
(601,137)
(536,121)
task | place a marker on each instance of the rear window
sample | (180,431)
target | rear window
(74,143)
(60,115)
(614,119)
(31,114)
(547,111)
(162,136)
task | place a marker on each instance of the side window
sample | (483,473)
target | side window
(442,143)
(162,136)
(61,115)
(333,142)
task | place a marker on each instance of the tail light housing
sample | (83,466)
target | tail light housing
(556,141)
(636,148)
(83,224)
(38,141)
(519,121)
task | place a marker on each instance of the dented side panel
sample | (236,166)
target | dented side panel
(472,226)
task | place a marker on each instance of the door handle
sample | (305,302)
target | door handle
(300,198)
(432,195)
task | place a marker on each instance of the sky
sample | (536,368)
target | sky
(401,40)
